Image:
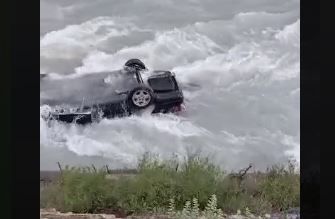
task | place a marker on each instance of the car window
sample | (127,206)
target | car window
(162,84)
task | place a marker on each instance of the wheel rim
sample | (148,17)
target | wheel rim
(141,98)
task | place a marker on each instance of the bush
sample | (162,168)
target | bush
(80,190)
(190,184)
(281,187)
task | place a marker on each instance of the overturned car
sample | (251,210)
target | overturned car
(91,97)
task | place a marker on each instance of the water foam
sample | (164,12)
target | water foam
(246,106)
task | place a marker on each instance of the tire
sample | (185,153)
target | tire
(135,63)
(140,98)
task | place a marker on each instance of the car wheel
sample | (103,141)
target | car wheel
(135,63)
(140,97)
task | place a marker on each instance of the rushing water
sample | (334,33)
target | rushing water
(244,55)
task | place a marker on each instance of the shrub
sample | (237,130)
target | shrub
(281,187)
(190,184)
(80,190)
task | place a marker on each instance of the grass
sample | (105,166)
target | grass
(173,186)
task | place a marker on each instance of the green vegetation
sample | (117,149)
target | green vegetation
(188,188)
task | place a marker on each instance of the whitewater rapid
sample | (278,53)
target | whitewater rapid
(244,110)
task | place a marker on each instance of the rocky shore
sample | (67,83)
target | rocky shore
(53,214)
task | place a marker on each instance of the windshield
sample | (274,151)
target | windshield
(162,84)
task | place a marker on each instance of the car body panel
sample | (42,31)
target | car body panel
(92,88)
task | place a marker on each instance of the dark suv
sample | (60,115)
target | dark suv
(115,98)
